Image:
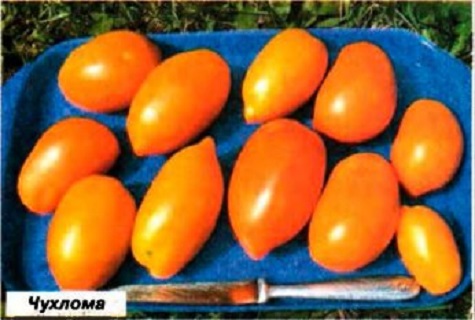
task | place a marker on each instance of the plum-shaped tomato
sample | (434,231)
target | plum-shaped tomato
(179,210)
(179,99)
(284,75)
(69,150)
(428,147)
(357,214)
(428,249)
(357,99)
(89,235)
(104,74)
(275,185)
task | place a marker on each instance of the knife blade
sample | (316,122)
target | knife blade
(259,291)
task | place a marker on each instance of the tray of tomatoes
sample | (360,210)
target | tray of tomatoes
(291,155)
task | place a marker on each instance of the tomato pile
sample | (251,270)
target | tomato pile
(277,185)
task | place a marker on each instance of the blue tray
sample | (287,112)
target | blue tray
(31,102)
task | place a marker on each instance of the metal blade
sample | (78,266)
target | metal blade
(390,288)
(231,293)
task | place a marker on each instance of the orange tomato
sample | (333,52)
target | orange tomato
(69,150)
(428,249)
(104,74)
(428,147)
(179,210)
(357,214)
(275,185)
(284,75)
(89,235)
(358,97)
(178,101)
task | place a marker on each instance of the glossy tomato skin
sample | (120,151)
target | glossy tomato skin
(69,150)
(275,184)
(179,210)
(179,99)
(104,74)
(428,249)
(89,234)
(291,57)
(357,214)
(357,99)
(428,147)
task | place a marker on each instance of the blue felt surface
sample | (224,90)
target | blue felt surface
(31,102)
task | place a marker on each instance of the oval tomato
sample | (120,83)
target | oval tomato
(357,214)
(104,74)
(69,150)
(428,147)
(358,97)
(89,234)
(275,185)
(284,75)
(178,101)
(179,210)
(428,249)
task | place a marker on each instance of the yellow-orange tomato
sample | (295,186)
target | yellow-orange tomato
(89,235)
(179,99)
(357,214)
(275,185)
(358,97)
(284,75)
(179,211)
(104,74)
(428,147)
(69,150)
(428,249)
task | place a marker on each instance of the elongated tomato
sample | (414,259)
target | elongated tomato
(357,100)
(179,210)
(89,235)
(104,74)
(69,150)
(275,185)
(357,214)
(428,249)
(178,101)
(284,75)
(428,147)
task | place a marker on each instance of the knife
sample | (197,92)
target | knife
(258,291)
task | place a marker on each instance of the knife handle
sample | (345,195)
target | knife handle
(370,289)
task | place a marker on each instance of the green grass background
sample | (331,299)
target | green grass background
(29,28)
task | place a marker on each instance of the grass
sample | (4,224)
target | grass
(29,28)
